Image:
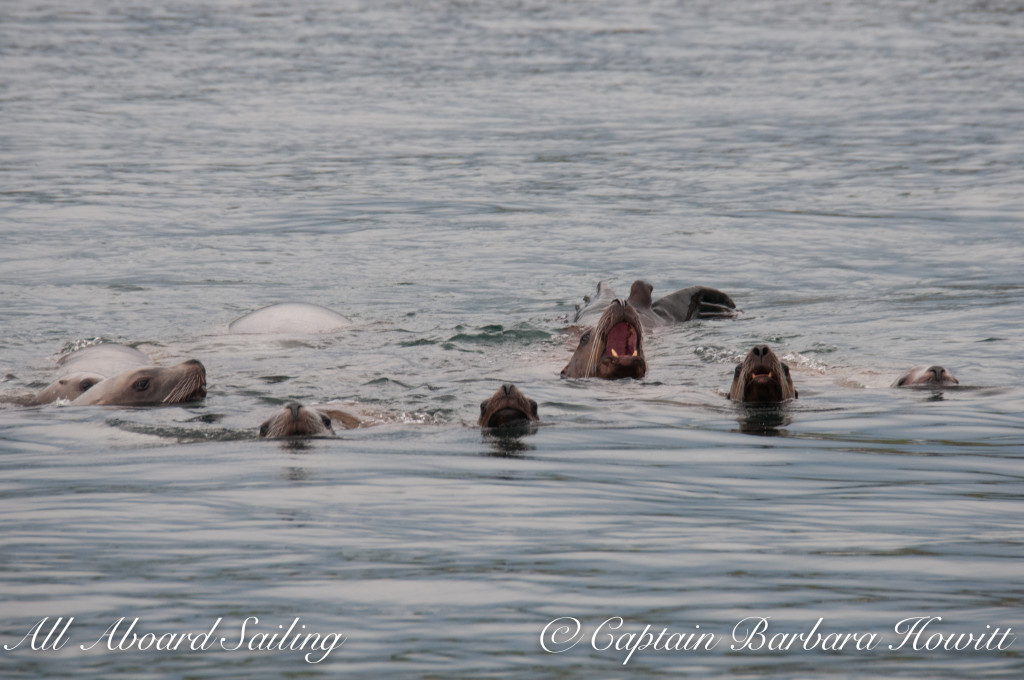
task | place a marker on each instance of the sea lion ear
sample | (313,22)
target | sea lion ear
(533,408)
(796,393)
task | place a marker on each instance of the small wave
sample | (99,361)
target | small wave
(497,334)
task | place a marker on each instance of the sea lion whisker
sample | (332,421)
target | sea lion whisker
(186,388)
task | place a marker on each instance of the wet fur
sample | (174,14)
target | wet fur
(149,386)
(296,420)
(507,406)
(926,376)
(695,302)
(69,388)
(590,360)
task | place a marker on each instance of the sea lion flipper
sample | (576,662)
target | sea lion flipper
(695,302)
(348,420)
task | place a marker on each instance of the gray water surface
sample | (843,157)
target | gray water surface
(454,178)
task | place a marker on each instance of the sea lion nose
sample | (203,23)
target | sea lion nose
(507,388)
(294,408)
(937,371)
(760,350)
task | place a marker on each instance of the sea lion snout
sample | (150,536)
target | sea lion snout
(926,376)
(762,377)
(507,406)
(296,420)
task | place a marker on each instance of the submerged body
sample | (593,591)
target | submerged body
(762,378)
(298,318)
(926,376)
(507,406)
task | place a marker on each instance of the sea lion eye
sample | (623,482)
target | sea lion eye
(736,373)
(533,408)
(585,338)
(325,420)
(785,369)
(141,385)
(86,384)
(483,406)
(264,428)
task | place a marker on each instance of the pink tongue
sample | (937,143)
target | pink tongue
(620,340)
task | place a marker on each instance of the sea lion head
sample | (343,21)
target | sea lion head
(507,406)
(70,387)
(613,349)
(296,420)
(762,377)
(150,385)
(926,376)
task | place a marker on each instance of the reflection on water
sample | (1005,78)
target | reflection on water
(507,440)
(764,419)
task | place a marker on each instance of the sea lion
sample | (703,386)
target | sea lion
(106,359)
(926,376)
(613,349)
(762,377)
(296,420)
(69,387)
(149,385)
(294,318)
(507,406)
(83,368)
(695,302)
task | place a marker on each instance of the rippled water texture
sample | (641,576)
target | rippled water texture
(452,178)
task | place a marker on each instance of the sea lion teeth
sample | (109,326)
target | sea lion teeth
(597,355)
(634,352)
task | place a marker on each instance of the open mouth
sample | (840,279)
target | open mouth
(761,375)
(622,341)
